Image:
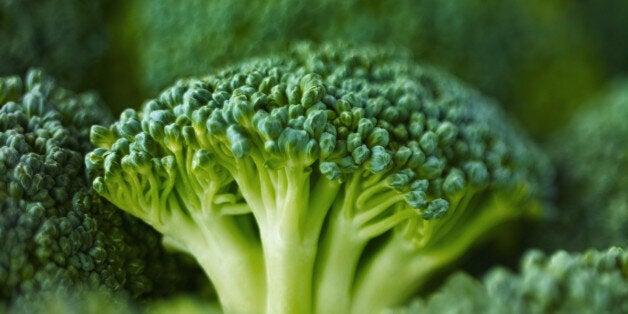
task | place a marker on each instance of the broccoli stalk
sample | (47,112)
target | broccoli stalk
(302,182)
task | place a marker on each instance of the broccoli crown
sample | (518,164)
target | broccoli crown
(531,55)
(320,177)
(63,37)
(56,232)
(591,154)
(590,282)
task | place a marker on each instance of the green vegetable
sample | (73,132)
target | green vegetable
(592,282)
(182,304)
(75,300)
(56,232)
(607,22)
(66,38)
(81,300)
(328,179)
(530,54)
(591,155)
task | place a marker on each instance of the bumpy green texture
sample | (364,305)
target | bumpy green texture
(530,54)
(591,282)
(100,301)
(75,300)
(328,179)
(591,154)
(65,37)
(56,232)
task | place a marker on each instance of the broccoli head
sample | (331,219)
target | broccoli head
(591,155)
(56,232)
(330,179)
(590,282)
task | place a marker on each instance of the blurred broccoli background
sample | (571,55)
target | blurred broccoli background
(67,38)
(531,55)
(606,22)
(591,156)
(557,67)
(538,58)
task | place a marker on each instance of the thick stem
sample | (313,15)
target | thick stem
(289,269)
(229,255)
(290,236)
(234,264)
(289,251)
(338,259)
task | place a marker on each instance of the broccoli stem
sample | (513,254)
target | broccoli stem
(223,249)
(289,232)
(350,229)
(290,251)
(337,263)
(221,244)
(221,257)
(339,254)
(411,265)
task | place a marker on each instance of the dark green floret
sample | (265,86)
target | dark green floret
(589,282)
(591,155)
(330,179)
(57,234)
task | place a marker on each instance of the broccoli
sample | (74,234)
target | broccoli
(66,38)
(101,301)
(182,304)
(591,155)
(56,232)
(592,282)
(329,179)
(76,300)
(606,21)
(530,54)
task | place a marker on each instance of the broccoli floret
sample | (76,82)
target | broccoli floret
(329,179)
(592,282)
(56,231)
(530,54)
(591,155)
(65,38)
(75,300)
(81,300)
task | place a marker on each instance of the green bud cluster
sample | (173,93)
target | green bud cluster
(589,282)
(337,113)
(563,282)
(56,233)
